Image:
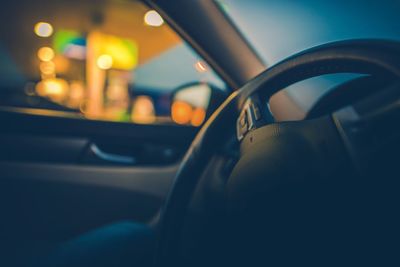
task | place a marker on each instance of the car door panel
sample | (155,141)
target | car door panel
(61,200)
(52,186)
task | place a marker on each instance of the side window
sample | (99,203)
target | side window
(107,60)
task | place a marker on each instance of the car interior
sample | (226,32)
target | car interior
(155,133)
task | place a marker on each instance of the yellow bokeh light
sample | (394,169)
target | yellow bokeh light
(181,112)
(53,88)
(152,18)
(105,62)
(45,54)
(43,29)
(47,68)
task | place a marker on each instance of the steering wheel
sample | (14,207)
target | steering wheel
(291,166)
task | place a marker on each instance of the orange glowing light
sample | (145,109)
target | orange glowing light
(47,68)
(143,110)
(55,89)
(76,94)
(152,18)
(181,112)
(200,66)
(45,54)
(43,29)
(198,117)
(62,64)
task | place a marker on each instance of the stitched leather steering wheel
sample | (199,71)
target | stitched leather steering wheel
(245,116)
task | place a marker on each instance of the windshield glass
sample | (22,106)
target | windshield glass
(280,28)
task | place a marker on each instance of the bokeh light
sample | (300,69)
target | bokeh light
(200,66)
(199,114)
(45,54)
(43,29)
(76,94)
(47,68)
(105,62)
(181,112)
(152,18)
(53,88)
(143,110)
(62,64)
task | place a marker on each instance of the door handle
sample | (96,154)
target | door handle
(109,157)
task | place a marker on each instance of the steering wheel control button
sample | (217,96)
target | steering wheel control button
(249,119)
(256,111)
(243,121)
(241,126)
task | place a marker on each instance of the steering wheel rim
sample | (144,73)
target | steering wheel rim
(373,57)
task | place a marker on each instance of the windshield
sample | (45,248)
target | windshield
(280,28)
